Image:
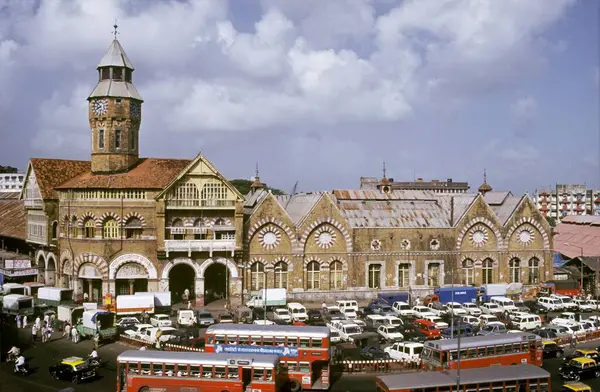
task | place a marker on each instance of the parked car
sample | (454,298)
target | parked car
(405,350)
(403,309)
(333,313)
(226,318)
(493,328)
(579,368)
(583,305)
(374,353)
(439,323)
(161,320)
(485,319)
(205,319)
(472,309)
(428,328)
(472,320)
(411,333)
(334,336)
(421,311)
(464,330)
(349,313)
(314,315)
(137,331)
(73,369)
(127,323)
(552,350)
(491,308)
(521,307)
(390,333)
(455,308)
(284,315)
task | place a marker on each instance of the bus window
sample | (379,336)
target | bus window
(293,367)
(231,340)
(157,369)
(304,342)
(463,353)
(195,371)
(182,370)
(269,374)
(258,374)
(244,339)
(255,340)
(516,347)
(145,369)
(317,342)
(220,339)
(453,355)
(169,370)
(207,371)
(472,353)
(445,360)
(133,367)
(232,373)
(292,341)
(210,339)
(268,340)
(220,371)
(480,352)
(499,349)
(280,341)
(304,367)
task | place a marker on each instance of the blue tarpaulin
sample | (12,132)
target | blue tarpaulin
(1,278)
(95,316)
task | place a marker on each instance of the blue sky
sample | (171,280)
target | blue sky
(320,92)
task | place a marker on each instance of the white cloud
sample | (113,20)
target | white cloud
(524,108)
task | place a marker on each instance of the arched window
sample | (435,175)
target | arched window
(257,276)
(468,272)
(185,195)
(433,274)
(89,228)
(214,190)
(177,229)
(515,270)
(54,230)
(487,271)
(313,276)
(404,275)
(534,271)
(281,271)
(374,276)
(74,228)
(110,229)
(335,275)
(133,228)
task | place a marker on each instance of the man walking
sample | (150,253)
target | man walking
(34,331)
(67,331)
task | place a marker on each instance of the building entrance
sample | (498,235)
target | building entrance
(216,281)
(182,277)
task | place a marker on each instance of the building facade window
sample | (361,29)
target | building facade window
(101,139)
(74,228)
(89,228)
(37,227)
(468,272)
(54,230)
(257,276)
(487,271)
(110,229)
(433,274)
(403,275)
(335,275)
(177,230)
(515,270)
(214,190)
(374,276)
(281,272)
(117,139)
(313,276)
(133,229)
(534,271)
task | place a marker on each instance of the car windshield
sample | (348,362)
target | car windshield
(282,312)
(386,309)
(334,334)
(162,317)
(470,305)
(493,306)
(432,327)
(418,350)
(404,307)
(81,366)
(352,330)
(566,300)
(393,330)
(226,317)
(348,311)
(334,311)
(576,328)
(575,363)
(205,315)
(491,319)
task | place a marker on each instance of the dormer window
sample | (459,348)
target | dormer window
(104,73)
(128,74)
(117,74)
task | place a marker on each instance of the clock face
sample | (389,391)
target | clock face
(135,109)
(100,106)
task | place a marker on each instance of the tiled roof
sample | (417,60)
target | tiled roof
(50,173)
(13,218)
(585,235)
(149,173)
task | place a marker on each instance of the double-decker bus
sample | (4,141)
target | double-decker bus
(483,351)
(303,350)
(518,378)
(170,371)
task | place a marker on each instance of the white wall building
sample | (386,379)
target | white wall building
(566,200)
(11,182)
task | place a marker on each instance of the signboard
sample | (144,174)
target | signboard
(267,350)
(21,272)
(17,264)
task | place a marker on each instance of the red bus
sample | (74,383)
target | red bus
(483,351)
(303,350)
(170,371)
(522,378)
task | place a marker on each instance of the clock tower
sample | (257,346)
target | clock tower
(115,111)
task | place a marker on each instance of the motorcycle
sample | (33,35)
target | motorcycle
(94,362)
(11,357)
(23,370)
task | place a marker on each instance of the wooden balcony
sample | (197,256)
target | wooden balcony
(209,246)
(192,204)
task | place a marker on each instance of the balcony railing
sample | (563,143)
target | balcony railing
(200,203)
(33,203)
(209,246)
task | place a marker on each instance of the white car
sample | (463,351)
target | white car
(138,331)
(491,308)
(472,320)
(403,309)
(421,311)
(405,351)
(456,309)
(565,318)
(439,323)
(390,333)
(334,336)
(472,309)
(393,321)
(161,320)
(263,322)
(164,334)
(588,326)
(584,306)
(574,329)
(349,314)
(485,319)
(282,314)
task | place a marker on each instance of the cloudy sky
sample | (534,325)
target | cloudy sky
(320,92)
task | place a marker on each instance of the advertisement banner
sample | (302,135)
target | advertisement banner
(17,264)
(19,272)
(268,350)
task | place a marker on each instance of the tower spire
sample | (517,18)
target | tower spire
(384,170)
(485,187)
(256,177)
(115,26)
(256,184)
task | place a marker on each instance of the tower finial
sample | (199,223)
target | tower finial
(384,170)
(484,175)
(115,26)
(256,172)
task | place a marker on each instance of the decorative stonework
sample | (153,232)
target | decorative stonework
(341,260)
(221,260)
(434,244)
(525,235)
(85,217)
(94,259)
(117,264)
(311,259)
(290,265)
(135,215)
(325,237)
(131,271)
(333,223)
(533,223)
(376,244)
(479,220)
(108,215)
(269,237)
(180,260)
(405,244)
(50,258)
(280,224)
(478,235)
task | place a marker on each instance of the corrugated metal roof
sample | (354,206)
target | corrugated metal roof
(495,197)
(13,218)
(505,210)
(115,57)
(395,213)
(371,194)
(299,205)
(585,236)
(582,219)
(457,202)
(111,88)
(252,200)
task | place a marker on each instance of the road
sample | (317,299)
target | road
(41,356)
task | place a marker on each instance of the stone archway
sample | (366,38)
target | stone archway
(225,282)
(131,272)
(192,281)
(50,270)
(40,262)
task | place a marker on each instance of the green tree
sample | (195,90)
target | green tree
(243,186)
(551,221)
(8,169)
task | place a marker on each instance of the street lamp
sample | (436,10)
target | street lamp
(580,261)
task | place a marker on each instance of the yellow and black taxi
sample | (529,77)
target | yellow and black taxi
(579,368)
(552,350)
(73,369)
(584,353)
(575,387)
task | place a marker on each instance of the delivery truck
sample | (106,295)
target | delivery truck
(461,294)
(487,291)
(98,322)
(568,287)
(14,304)
(13,288)
(162,301)
(135,304)
(272,297)
(54,296)
(69,313)
(31,288)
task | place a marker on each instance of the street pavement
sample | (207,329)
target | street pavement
(43,355)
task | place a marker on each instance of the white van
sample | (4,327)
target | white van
(507,304)
(297,311)
(347,304)
(566,302)
(527,322)
(550,304)
(186,318)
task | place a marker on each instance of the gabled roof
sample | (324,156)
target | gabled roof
(253,200)
(495,197)
(50,173)
(149,173)
(299,206)
(115,57)
(190,164)
(506,209)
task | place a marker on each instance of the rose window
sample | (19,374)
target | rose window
(478,235)
(405,244)
(525,236)
(269,237)
(325,237)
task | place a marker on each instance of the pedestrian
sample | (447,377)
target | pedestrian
(34,331)
(573,342)
(18,321)
(86,297)
(96,341)
(25,321)
(49,331)
(38,322)
(74,335)
(67,331)
(189,305)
